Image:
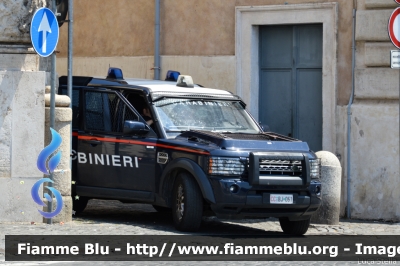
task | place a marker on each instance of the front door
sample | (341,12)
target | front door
(290,101)
(109,161)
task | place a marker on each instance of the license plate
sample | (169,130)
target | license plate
(280,199)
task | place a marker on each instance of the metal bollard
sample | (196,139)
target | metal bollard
(331,175)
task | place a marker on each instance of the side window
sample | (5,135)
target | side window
(105,111)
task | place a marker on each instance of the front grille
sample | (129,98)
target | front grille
(280,167)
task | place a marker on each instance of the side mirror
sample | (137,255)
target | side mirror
(135,128)
(264,127)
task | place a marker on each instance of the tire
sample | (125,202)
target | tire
(161,209)
(79,205)
(187,203)
(294,227)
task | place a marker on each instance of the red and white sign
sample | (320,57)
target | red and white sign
(397,1)
(394,27)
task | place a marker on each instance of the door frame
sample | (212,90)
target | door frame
(248,20)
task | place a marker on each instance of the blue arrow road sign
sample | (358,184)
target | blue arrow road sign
(44,32)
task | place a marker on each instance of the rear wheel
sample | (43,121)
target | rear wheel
(78,204)
(294,227)
(187,205)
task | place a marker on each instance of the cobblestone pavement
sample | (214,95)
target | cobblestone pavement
(115,218)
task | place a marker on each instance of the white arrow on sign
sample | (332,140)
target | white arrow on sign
(44,27)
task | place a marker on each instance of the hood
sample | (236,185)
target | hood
(242,141)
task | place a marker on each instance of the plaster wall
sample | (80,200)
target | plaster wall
(110,28)
(125,28)
(209,71)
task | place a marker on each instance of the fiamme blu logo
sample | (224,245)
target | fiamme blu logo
(47,162)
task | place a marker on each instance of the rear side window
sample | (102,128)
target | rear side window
(105,111)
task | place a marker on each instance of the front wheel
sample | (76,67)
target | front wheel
(294,227)
(187,205)
(78,204)
(161,209)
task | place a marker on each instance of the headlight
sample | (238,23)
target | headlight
(315,168)
(225,166)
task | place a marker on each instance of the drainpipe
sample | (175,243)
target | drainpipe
(349,118)
(157,42)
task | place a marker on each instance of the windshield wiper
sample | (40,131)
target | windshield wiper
(222,132)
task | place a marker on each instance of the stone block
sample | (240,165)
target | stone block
(380,4)
(27,122)
(331,176)
(372,25)
(376,83)
(375,190)
(62,114)
(22,62)
(16,201)
(15,19)
(6,100)
(66,213)
(63,117)
(61,100)
(62,181)
(377,54)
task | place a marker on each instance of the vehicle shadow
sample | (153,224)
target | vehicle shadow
(145,216)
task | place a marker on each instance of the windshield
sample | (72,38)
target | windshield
(178,115)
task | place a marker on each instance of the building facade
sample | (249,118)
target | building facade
(291,61)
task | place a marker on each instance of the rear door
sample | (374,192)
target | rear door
(111,164)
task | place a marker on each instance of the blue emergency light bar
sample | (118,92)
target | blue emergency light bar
(115,73)
(172,75)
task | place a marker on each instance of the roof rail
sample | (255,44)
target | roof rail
(76,80)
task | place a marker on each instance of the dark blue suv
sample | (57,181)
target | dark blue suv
(187,149)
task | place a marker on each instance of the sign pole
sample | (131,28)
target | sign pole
(70,65)
(52,109)
(44,37)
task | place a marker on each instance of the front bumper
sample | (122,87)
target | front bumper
(254,201)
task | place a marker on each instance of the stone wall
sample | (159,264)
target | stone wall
(21,140)
(375,189)
(15,19)
(21,111)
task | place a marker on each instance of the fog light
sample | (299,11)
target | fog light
(234,188)
(318,190)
